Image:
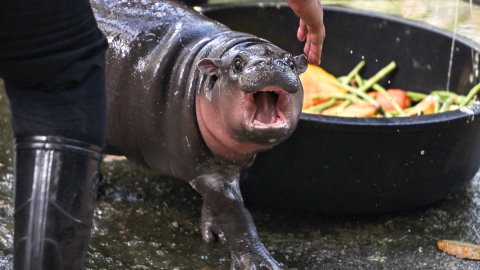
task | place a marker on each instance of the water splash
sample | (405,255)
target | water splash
(453,46)
(474,55)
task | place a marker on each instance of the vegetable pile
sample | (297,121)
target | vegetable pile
(354,96)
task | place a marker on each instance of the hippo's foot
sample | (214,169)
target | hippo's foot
(260,259)
(248,252)
(224,217)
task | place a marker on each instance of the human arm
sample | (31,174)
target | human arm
(311,27)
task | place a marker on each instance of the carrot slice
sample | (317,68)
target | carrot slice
(460,249)
(398,96)
(316,81)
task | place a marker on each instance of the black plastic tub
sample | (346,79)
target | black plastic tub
(367,165)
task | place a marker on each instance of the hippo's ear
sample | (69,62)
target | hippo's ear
(209,66)
(301,62)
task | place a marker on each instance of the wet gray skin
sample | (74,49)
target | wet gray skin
(147,221)
(191,99)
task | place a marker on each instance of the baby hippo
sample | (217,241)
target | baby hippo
(192,99)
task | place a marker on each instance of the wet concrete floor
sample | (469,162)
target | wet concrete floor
(147,221)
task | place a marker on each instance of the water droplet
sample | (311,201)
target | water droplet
(422,152)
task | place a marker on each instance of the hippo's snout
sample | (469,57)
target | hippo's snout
(282,72)
(260,63)
(263,76)
(269,64)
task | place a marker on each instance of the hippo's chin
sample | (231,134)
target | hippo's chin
(268,135)
(278,123)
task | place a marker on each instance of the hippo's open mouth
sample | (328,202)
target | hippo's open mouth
(268,113)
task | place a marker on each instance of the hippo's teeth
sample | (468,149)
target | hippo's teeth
(266,102)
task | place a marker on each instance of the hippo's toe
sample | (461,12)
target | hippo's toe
(257,259)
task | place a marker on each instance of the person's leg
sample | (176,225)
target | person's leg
(52,62)
(55,191)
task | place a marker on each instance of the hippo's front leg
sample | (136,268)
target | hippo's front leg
(225,217)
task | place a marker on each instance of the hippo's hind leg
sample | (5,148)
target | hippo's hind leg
(224,217)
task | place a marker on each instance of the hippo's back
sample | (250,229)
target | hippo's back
(152,45)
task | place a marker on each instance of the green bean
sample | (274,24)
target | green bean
(322,106)
(358,80)
(416,97)
(382,90)
(446,105)
(351,97)
(470,95)
(436,101)
(342,106)
(444,95)
(348,78)
(360,94)
(408,109)
(387,113)
(377,77)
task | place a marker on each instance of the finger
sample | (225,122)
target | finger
(306,49)
(315,47)
(314,54)
(302,31)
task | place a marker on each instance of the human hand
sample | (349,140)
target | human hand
(311,27)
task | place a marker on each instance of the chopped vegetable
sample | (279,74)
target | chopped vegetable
(470,95)
(459,249)
(322,106)
(354,110)
(353,96)
(416,97)
(398,95)
(388,98)
(352,73)
(446,105)
(377,77)
(426,106)
(359,93)
(317,81)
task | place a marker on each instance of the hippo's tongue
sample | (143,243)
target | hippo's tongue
(266,107)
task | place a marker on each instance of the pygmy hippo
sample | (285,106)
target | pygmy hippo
(192,99)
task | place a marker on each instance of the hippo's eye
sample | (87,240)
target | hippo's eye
(237,63)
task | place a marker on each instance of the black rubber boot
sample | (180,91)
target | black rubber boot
(55,191)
